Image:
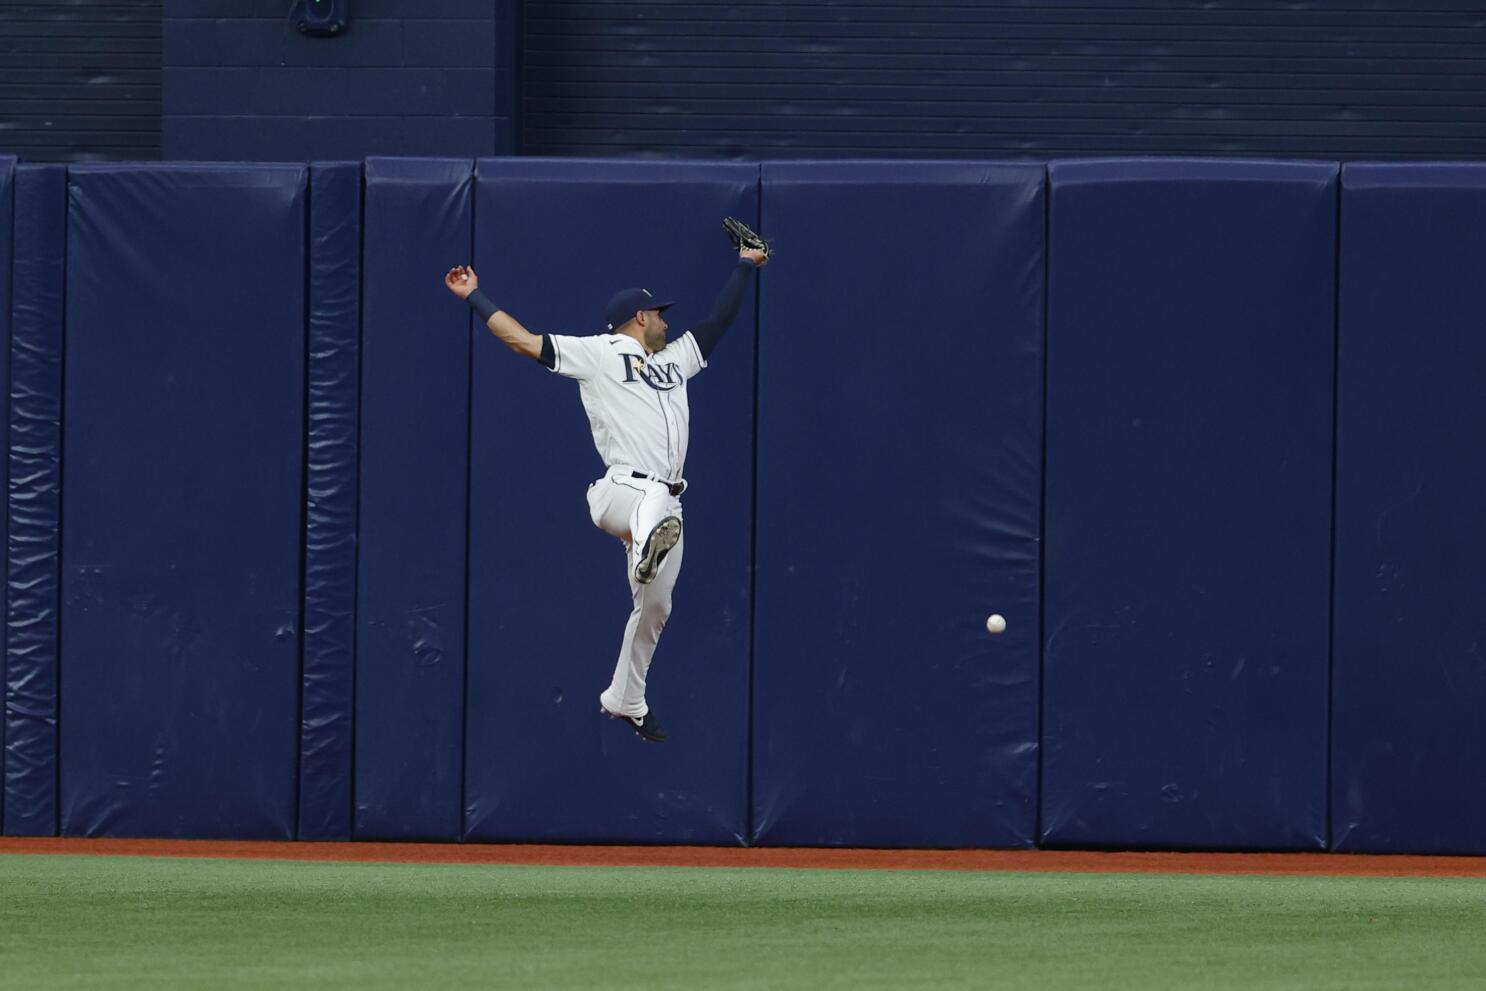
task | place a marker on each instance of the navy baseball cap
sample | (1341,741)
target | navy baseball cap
(627,302)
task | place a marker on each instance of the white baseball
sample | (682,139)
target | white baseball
(996,623)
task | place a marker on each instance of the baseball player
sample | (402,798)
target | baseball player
(633,385)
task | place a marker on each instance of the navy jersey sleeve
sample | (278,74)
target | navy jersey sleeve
(725,310)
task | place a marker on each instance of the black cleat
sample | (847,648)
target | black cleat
(645,725)
(667,534)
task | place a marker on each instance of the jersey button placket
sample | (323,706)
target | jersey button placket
(665,411)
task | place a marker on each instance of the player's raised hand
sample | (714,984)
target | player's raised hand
(759,258)
(462,280)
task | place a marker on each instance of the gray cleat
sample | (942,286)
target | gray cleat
(667,534)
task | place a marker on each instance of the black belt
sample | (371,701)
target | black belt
(675,488)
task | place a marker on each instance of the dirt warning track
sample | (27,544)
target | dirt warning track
(1321,864)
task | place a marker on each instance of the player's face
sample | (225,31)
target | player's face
(655,329)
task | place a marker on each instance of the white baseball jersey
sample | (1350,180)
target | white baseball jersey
(636,402)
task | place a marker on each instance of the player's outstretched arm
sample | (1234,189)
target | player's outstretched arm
(464,283)
(729,301)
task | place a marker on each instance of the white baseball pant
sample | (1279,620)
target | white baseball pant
(629,508)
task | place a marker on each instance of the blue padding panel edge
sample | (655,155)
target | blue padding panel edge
(549,591)
(183,500)
(1189,429)
(1409,669)
(330,509)
(34,500)
(899,482)
(410,619)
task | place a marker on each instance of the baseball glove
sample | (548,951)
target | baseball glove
(743,236)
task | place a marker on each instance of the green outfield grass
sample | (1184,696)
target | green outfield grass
(126,922)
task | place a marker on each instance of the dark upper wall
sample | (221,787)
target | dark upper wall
(1338,79)
(408,77)
(80,79)
(1001,78)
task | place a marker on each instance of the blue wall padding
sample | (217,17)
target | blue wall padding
(1188,503)
(183,437)
(548,591)
(410,628)
(1116,401)
(7,196)
(1409,676)
(899,476)
(34,498)
(330,506)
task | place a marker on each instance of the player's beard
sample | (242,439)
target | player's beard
(655,340)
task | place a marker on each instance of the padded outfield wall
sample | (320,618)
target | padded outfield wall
(296,549)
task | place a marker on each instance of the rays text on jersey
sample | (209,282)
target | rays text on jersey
(661,378)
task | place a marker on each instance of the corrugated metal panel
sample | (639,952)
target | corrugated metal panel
(1035,78)
(80,79)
